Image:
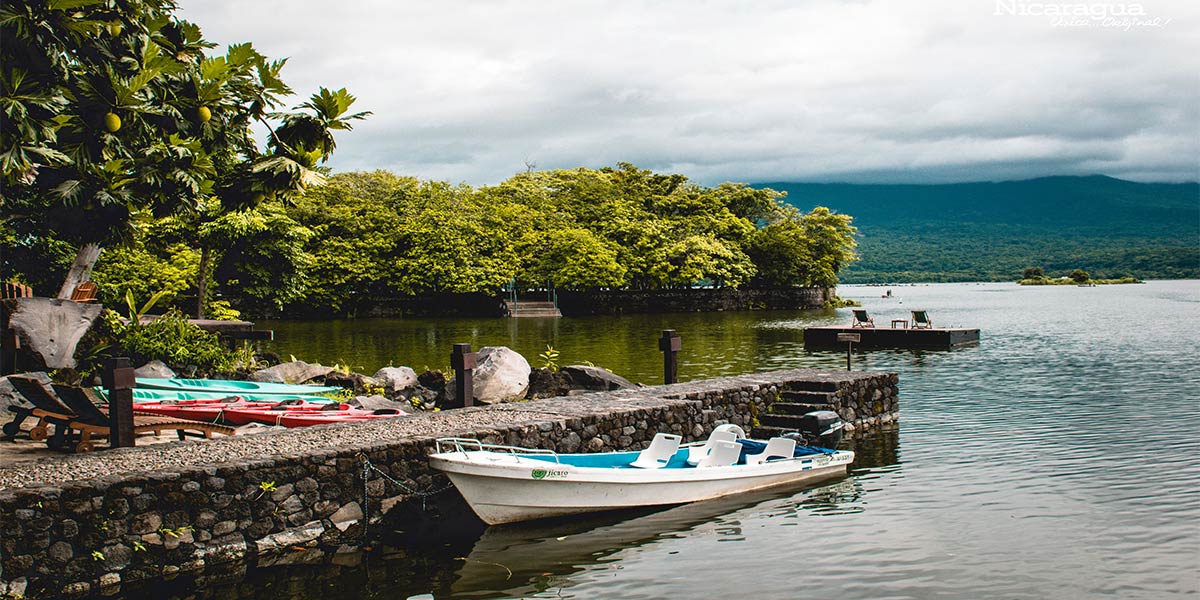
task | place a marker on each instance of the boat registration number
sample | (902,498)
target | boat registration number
(548,474)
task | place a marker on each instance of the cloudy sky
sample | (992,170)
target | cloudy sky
(881,91)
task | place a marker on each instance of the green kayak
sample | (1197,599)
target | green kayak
(140,395)
(228,387)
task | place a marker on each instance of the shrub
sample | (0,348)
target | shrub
(173,340)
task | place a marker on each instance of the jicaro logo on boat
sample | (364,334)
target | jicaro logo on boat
(547,474)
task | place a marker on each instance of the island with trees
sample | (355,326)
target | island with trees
(1037,276)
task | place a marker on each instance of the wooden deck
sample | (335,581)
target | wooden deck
(236,330)
(886,337)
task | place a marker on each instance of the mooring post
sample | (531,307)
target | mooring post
(849,338)
(118,377)
(670,344)
(463,361)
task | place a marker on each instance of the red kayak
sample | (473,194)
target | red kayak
(270,415)
(306,418)
(233,412)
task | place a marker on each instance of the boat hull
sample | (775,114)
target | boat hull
(504,488)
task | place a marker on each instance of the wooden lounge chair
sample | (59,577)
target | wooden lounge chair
(84,292)
(920,320)
(88,421)
(862,319)
(45,407)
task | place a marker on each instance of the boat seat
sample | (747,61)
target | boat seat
(723,454)
(697,453)
(662,448)
(777,447)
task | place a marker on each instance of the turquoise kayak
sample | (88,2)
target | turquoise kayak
(227,386)
(140,395)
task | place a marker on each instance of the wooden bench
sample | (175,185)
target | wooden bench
(84,292)
(12,289)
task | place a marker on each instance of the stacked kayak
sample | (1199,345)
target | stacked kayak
(288,413)
(228,386)
(142,395)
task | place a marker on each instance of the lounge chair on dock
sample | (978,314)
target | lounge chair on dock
(86,420)
(45,408)
(862,319)
(920,320)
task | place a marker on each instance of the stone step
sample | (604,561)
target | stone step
(531,308)
(790,422)
(807,397)
(536,313)
(814,386)
(796,408)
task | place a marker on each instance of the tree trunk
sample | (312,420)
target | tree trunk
(81,269)
(202,282)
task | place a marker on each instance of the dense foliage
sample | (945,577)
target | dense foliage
(377,234)
(365,237)
(172,340)
(113,115)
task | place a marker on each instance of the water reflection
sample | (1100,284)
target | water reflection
(521,560)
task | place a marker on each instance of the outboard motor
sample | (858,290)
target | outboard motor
(822,428)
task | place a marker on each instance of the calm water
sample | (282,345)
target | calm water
(1058,459)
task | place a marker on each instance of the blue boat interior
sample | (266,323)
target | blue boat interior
(621,460)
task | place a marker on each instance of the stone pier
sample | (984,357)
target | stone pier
(80,524)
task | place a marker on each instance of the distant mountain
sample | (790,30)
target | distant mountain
(993,230)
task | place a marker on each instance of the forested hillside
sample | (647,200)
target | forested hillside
(991,231)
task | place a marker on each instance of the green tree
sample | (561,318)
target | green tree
(1079,276)
(781,254)
(353,219)
(112,110)
(1033,273)
(577,258)
(831,244)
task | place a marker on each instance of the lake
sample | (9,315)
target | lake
(1059,458)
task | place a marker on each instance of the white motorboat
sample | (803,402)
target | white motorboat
(507,484)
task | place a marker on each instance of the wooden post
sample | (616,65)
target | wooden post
(118,377)
(850,339)
(670,343)
(463,361)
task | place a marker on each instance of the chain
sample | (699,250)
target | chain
(368,467)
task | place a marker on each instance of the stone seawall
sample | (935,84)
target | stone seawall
(78,524)
(584,302)
(690,300)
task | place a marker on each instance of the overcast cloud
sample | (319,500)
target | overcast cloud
(745,90)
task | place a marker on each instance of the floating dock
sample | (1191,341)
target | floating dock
(885,337)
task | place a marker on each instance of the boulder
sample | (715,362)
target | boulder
(582,377)
(434,381)
(397,380)
(291,372)
(48,330)
(361,384)
(154,368)
(378,403)
(544,383)
(501,375)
